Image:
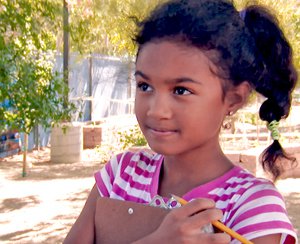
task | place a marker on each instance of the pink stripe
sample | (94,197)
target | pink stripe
(100,184)
(202,190)
(119,156)
(260,210)
(110,172)
(245,181)
(127,159)
(236,184)
(255,195)
(264,192)
(240,191)
(264,226)
(147,160)
(146,174)
(133,184)
(225,197)
(122,193)
(140,157)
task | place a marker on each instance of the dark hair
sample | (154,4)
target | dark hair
(245,47)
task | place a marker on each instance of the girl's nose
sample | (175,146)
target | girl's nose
(159,107)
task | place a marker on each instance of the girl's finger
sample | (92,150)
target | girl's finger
(203,218)
(193,207)
(220,238)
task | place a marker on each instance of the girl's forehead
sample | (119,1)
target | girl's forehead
(167,53)
(169,48)
(169,42)
(168,61)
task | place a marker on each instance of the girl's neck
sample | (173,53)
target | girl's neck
(182,173)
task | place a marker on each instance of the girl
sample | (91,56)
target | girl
(197,62)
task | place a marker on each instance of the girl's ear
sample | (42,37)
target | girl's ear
(237,96)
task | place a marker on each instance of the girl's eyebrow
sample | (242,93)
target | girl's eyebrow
(184,79)
(176,80)
(140,73)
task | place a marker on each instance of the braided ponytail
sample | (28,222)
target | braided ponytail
(246,46)
(276,81)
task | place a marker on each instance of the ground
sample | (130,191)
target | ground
(41,207)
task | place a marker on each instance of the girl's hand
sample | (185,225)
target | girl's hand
(184,224)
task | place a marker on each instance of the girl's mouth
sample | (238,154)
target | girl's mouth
(162,131)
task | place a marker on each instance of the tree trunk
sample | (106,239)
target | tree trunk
(25,147)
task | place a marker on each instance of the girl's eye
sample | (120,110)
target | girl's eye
(144,87)
(181,91)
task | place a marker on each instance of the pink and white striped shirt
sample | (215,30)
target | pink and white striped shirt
(251,206)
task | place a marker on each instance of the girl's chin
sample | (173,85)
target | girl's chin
(163,150)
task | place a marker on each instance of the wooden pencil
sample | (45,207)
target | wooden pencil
(219,225)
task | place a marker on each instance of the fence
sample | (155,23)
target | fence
(102,87)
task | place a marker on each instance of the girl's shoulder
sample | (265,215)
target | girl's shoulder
(141,162)
(241,185)
(234,182)
(254,207)
(129,175)
(236,188)
(142,158)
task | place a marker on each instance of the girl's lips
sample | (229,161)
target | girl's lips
(161,132)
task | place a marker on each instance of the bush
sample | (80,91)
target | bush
(132,137)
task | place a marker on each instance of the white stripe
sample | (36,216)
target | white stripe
(239,179)
(106,179)
(147,167)
(224,204)
(220,191)
(138,178)
(261,218)
(136,157)
(115,196)
(256,234)
(115,165)
(253,190)
(256,203)
(133,191)
(157,157)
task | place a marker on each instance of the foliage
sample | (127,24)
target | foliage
(123,140)
(106,151)
(30,31)
(32,92)
(132,137)
(106,26)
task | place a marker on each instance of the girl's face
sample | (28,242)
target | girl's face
(178,103)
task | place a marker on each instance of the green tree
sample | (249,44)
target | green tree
(27,58)
(106,26)
(31,30)
(28,84)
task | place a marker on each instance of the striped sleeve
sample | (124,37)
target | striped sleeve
(105,177)
(261,211)
(130,176)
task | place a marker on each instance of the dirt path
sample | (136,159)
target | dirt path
(42,207)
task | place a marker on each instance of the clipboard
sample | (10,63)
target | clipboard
(122,222)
